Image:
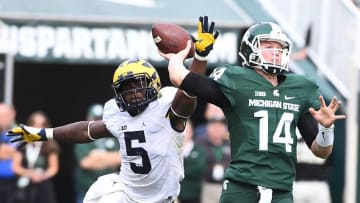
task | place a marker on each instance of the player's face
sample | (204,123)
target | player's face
(132,92)
(271,52)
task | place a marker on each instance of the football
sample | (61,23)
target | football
(171,38)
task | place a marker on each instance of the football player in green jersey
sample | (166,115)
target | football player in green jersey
(264,104)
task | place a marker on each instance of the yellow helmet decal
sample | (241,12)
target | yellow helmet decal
(129,68)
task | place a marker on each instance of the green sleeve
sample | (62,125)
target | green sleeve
(223,76)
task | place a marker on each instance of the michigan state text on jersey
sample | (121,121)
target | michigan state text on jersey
(263,105)
(264,119)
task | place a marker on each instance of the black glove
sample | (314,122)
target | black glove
(205,38)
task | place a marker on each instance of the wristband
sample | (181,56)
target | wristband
(44,133)
(49,133)
(178,115)
(88,130)
(188,95)
(325,136)
(200,58)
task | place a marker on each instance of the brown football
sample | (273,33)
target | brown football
(171,38)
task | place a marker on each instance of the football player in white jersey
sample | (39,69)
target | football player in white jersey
(147,121)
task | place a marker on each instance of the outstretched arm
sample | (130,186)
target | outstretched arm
(81,132)
(184,103)
(325,116)
(176,67)
(78,132)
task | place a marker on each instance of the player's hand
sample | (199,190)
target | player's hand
(206,37)
(326,114)
(26,134)
(176,68)
(180,56)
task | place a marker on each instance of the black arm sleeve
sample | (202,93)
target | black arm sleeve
(205,88)
(308,128)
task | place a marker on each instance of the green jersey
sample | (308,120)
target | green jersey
(262,121)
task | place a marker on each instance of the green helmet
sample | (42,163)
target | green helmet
(250,47)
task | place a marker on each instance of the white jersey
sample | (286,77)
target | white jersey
(151,165)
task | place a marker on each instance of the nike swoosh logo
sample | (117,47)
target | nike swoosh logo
(288,98)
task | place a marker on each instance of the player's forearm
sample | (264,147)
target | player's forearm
(198,66)
(323,143)
(73,132)
(177,70)
(321,152)
(81,132)
(184,103)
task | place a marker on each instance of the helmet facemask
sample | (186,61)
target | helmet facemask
(136,83)
(134,93)
(251,52)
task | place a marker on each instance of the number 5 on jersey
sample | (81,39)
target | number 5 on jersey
(137,151)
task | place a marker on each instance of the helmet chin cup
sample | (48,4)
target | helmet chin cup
(135,110)
(272,69)
(138,107)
